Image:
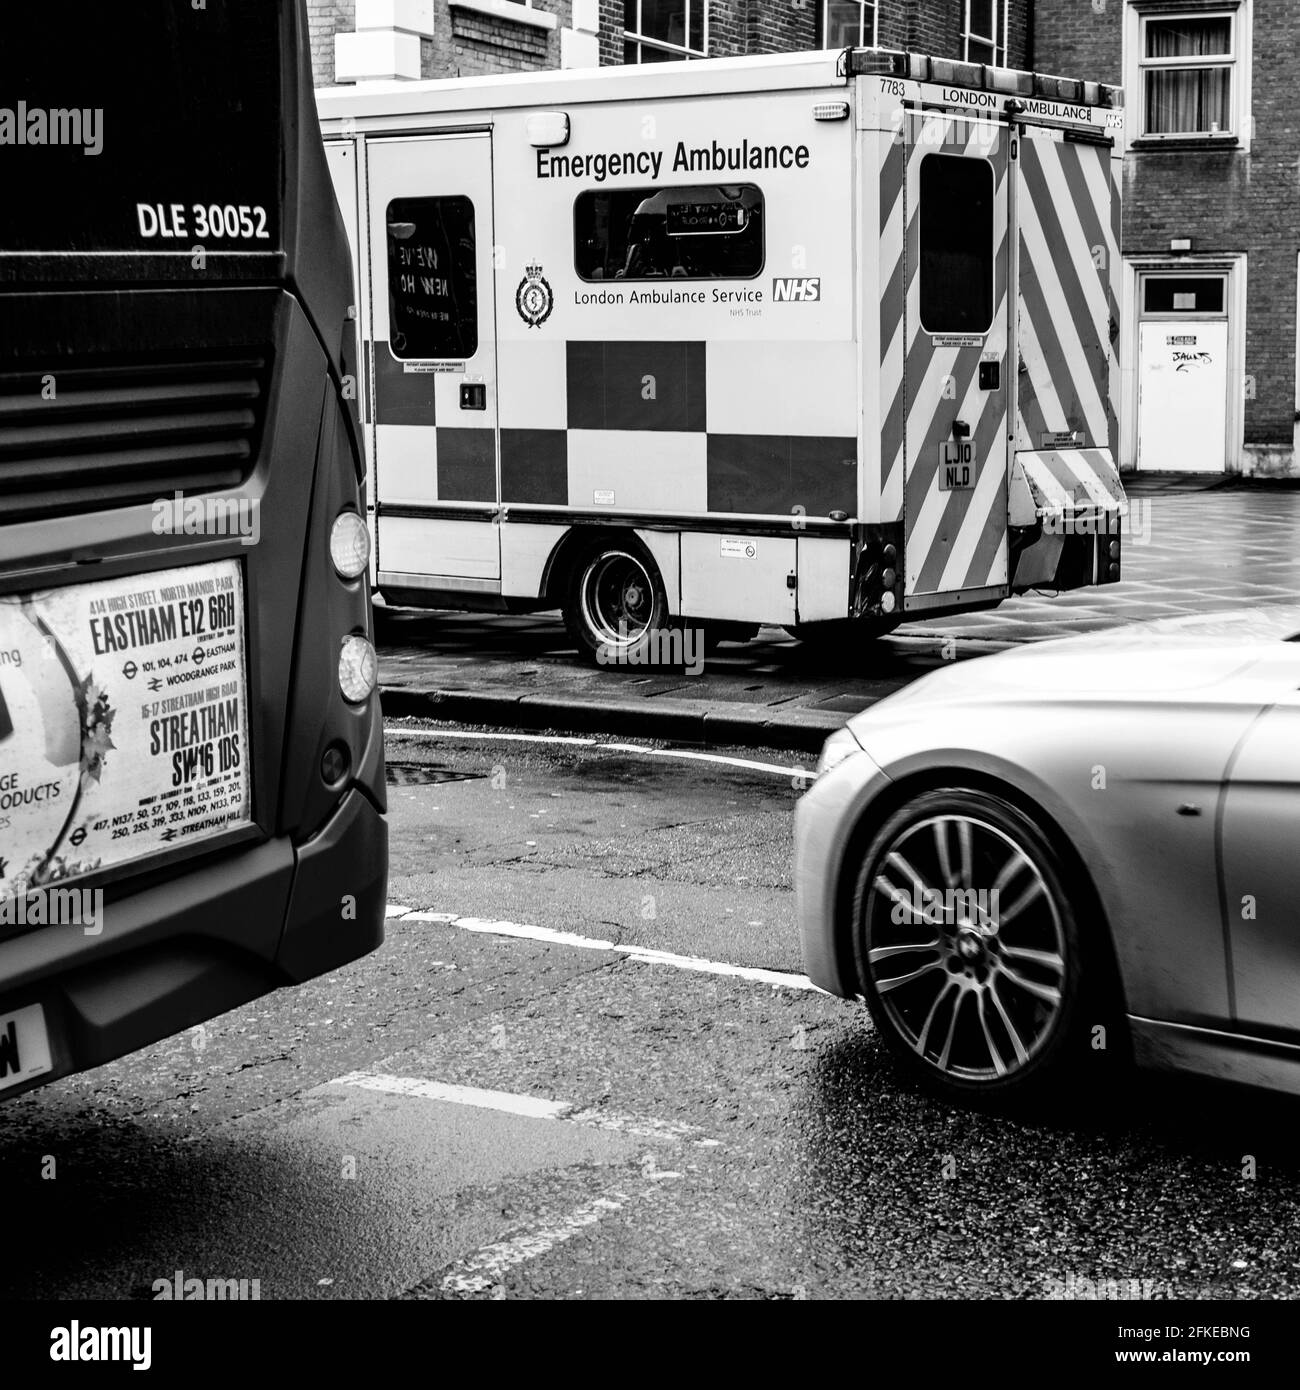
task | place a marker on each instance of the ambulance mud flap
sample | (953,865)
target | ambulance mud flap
(1065,511)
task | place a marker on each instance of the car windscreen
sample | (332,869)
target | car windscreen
(150,126)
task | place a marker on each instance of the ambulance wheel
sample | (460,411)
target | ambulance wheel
(615,600)
(838,631)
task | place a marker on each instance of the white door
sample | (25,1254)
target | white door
(1182,395)
(433,360)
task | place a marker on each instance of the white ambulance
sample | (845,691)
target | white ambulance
(824,340)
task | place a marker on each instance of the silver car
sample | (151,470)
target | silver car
(1035,861)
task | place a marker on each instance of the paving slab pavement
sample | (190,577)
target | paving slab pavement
(1186,551)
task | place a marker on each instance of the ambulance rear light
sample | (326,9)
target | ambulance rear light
(831,111)
(547,129)
(1010,81)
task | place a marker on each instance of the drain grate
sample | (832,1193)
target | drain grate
(426,774)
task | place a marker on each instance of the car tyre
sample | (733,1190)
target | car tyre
(981,998)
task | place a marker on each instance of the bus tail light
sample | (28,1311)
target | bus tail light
(358,668)
(349,545)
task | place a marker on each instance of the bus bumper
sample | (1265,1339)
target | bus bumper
(200,944)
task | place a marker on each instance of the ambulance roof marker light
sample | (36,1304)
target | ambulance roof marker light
(955,74)
(1051,88)
(1009,81)
(547,129)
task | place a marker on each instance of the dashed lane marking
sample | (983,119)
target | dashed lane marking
(756,974)
(531,1107)
(483,1270)
(535,1107)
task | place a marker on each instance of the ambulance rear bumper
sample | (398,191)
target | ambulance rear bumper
(1066,508)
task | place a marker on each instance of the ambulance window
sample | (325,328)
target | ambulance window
(705,232)
(956,270)
(432,282)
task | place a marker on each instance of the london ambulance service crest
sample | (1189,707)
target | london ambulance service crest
(533,299)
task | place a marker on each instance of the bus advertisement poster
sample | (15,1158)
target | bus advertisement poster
(123,721)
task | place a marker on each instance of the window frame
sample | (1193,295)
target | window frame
(462,356)
(993,249)
(1238,63)
(997,41)
(671,280)
(635,36)
(823,13)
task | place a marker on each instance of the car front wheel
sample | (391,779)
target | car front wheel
(967,945)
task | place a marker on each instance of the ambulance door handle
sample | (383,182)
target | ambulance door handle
(960,429)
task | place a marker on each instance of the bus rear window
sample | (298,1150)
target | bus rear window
(695,233)
(956,269)
(152,126)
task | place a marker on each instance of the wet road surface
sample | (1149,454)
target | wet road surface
(586,1064)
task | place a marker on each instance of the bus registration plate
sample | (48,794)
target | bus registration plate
(123,722)
(24,1046)
(956,465)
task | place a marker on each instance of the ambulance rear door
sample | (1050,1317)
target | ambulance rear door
(956,324)
(1067,225)
(434,361)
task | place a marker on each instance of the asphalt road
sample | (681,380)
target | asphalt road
(636,1124)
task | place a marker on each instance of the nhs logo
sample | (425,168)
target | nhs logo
(806,289)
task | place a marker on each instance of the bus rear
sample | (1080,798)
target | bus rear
(192,800)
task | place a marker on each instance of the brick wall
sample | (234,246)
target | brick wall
(1079,38)
(465,42)
(325,18)
(611,32)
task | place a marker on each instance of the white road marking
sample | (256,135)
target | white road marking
(756,974)
(776,769)
(479,1272)
(534,1107)
(531,1107)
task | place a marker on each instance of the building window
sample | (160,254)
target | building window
(984,37)
(1188,74)
(432,280)
(956,244)
(699,233)
(848,23)
(662,31)
(1183,294)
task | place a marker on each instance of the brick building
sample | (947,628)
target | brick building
(359,39)
(1211,220)
(1211,236)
